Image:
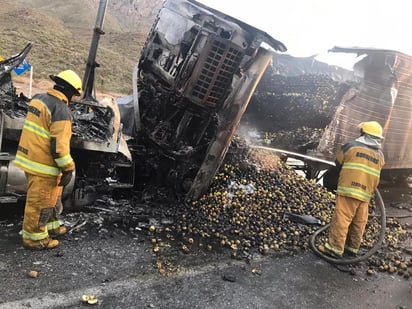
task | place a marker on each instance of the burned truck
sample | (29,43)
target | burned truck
(309,108)
(196,74)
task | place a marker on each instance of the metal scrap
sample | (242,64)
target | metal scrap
(77,227)
(13,105)
(91,121)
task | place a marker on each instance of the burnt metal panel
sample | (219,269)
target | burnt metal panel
(213,72)
(182,33)
(384,95)
(260,35)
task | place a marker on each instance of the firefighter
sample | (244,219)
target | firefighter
(359,165)
(44,155)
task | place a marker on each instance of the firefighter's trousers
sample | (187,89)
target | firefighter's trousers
(347,225)
(42,210)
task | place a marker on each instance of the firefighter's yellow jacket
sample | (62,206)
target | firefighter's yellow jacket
(360,165)
(44,147)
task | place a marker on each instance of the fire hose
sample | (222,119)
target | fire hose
(344,261)
(312,241)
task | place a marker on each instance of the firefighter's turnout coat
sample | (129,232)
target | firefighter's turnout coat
(44,153)
(360,163)
(360,166)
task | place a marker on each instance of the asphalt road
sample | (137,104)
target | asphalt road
(302,281)
(121,270)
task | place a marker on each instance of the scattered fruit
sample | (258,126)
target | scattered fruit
(90,299)
(33,274)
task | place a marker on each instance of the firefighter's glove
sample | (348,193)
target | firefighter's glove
(65,179)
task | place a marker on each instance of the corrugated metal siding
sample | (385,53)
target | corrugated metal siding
(398,137)
(380,98)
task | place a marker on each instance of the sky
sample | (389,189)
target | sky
(309,27)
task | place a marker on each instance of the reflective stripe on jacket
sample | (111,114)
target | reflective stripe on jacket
(44,147)
(361,166)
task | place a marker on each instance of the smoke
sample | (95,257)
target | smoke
(250,134)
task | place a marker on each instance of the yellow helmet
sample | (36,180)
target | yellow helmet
(71,78)
(372,128)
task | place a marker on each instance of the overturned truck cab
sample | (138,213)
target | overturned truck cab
(193,82)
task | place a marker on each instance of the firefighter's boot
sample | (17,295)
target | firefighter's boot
(325,250)
(46,243)
(61,230)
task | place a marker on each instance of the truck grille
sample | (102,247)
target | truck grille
(216,72)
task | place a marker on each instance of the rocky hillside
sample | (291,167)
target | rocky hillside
(61,33)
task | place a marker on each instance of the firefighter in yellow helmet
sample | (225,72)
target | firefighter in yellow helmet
(359,163)
(44,155)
